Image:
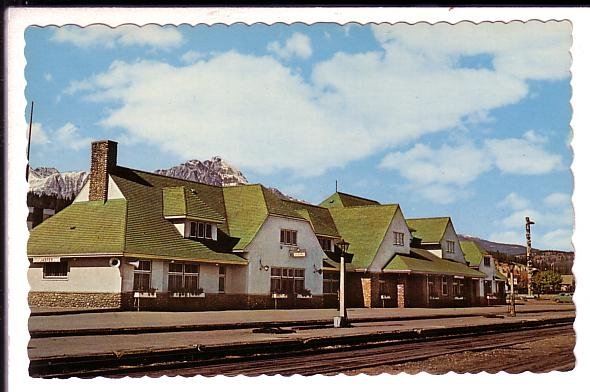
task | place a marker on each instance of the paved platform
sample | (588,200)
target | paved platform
(116,346)
(115,322)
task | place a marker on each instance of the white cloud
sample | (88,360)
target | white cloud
(447,165)
(192,56)
(298,45)
(558,199)
(69,136)
(266,117)
(521,156)
(48,77)
(461,164)
(152,36)
(76,86)
(38,134)
(514,201)
(531,50)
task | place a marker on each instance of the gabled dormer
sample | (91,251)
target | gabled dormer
(438,236)
(189,213)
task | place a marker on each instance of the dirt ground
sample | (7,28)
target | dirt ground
(543,355)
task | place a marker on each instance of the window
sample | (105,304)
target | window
(222,278)
(331,282)
(458,288)
(486,261)
(326,243)
(398,238)
(287,280)
(183,277)
(55,270)
(445,285)
(142,276)
(382,288)
(451,246)
(288,237)
(432,288)
(201,230)
(487,287)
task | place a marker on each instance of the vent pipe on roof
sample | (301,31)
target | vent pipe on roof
(103,161)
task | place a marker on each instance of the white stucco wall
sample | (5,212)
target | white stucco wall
(451,235)
(86,275)
(113,192)
(267,247)
(387,248)
(490,272)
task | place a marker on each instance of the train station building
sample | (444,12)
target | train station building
(134,239)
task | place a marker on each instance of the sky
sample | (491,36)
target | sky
(468,121)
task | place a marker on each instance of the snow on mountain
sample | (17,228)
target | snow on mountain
(49,181)
(213,172)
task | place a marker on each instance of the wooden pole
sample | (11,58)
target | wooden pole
(29,139)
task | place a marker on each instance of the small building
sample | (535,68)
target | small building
(492,288)
(568,283)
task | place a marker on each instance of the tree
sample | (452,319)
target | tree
(546,281)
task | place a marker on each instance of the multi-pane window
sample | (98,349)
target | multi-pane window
(398,238)
(142,276)
(287,280)
(222,278)
(326,243)
(331,282)
(486,261)
(445,285)
(183,277)
(201,230)
(451,246)
(288,237)
(55,270)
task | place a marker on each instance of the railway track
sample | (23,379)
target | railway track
(308,361)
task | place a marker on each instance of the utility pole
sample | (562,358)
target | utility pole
(529,260)
(29,139)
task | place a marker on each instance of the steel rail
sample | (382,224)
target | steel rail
(318,360)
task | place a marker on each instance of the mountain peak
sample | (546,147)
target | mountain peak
(214,171)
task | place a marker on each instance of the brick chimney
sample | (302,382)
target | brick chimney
(103,160)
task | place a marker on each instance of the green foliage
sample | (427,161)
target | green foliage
(546,281)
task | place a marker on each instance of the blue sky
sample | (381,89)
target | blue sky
(470,121)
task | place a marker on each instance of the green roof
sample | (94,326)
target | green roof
(182,201)
(499,276)
(246,212)
(421,261)
(364,228)
(320,218)
(473,252)
(340,199)
(81,228)
(429,230)
(149,233)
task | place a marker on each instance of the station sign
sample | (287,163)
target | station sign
(298,253)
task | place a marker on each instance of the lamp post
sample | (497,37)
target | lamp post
(341,320)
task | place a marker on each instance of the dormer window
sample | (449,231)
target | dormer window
(326,243)
(486,261)
(398,238)
(201,230)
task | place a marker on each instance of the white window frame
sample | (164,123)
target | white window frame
(48,273)
(184,275)
(445,285)
(142,272)
(398,238)
(221,280)
(198,229)
(326,243)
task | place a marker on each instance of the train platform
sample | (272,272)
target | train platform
(116,322)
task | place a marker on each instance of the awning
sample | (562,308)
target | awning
(421,261)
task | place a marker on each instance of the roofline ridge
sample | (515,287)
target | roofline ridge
(355,196)
(365,206)
(432,217)
(173,178)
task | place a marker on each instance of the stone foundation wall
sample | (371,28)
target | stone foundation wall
(74,300)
